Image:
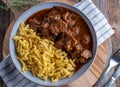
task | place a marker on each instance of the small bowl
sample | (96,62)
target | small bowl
(23,18)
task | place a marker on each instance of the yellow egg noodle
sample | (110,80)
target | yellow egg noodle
(39,56)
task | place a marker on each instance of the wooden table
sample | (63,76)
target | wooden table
(107,7)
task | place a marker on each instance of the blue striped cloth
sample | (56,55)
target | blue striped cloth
(12,77)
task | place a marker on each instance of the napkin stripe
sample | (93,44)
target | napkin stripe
(35,85)
(95,15)
(18,82)
(13,77)
(91,11)
(102,27)
(86,6)
(12,70)
(8,72)
(6,60)
(98,21)
(81,2)
(104,33)
(10,77)
(26,84)
(105,37)
(31,84)
(15,81)
(22,83)
(6,66)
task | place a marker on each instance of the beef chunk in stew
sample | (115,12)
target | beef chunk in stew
(44,25)
(70,41)
(75,30)
(75,54)
(82,60)
(59,44)
(33,24)
(54,15)
(57,28)
(46,33)
(54,29)
(62,26)
(86,54)
(68,18)
(78,47)
(68,46)
(44,29)
(86,39)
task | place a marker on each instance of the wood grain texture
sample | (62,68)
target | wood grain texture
(113,8)
(91,76)
(5,20)
(114,19)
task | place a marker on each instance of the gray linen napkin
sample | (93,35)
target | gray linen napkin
(12,77)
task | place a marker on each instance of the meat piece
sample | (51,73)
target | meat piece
(75,29)
(68,18)
(77,50)
(68,46)
(82,60)
(86,54)
(62,26)
(54,15)
(57,28)
(70,36)
(78,47)
(75,54)
(60,43)
(46,19)
(86,39)
(34,20)
(70,41)
(46,33)
(44,25)
(54,29)
(33,24)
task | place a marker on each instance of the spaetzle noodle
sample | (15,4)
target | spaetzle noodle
(39,56)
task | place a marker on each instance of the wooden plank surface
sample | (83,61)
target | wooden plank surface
(91,76)
(113,7)
(6,17)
